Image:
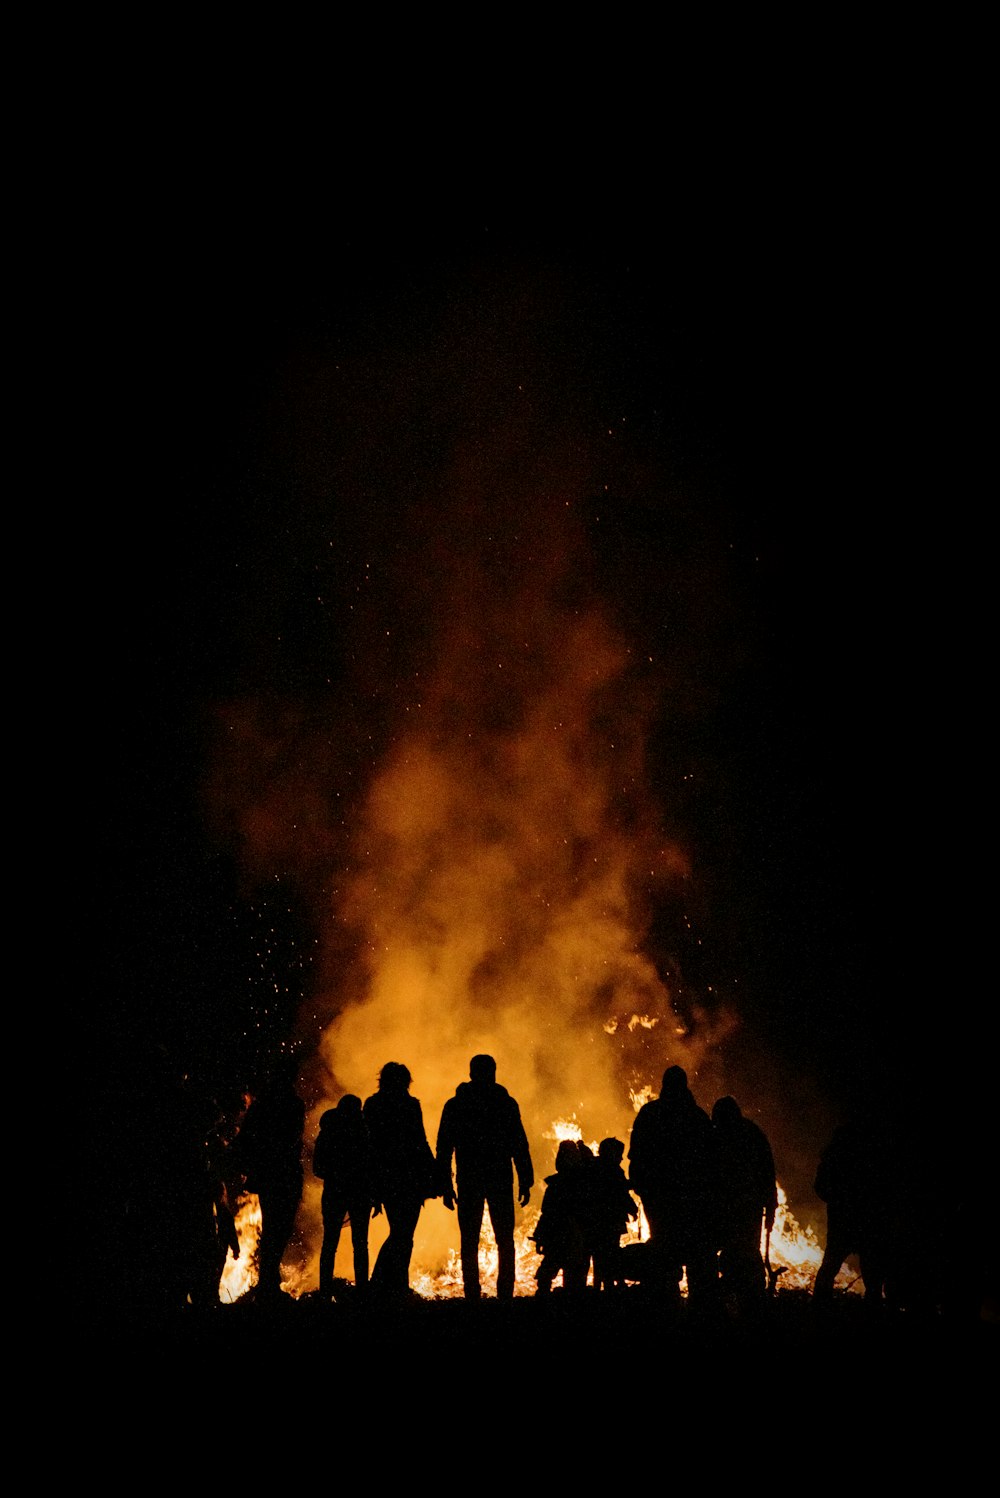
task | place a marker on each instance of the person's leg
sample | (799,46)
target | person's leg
(392,1267)
(278,1208)
(471,1203)
(333,1222)
(663,1267)
(501,1205)
(358,1213)
(836,1251)
(546,1273)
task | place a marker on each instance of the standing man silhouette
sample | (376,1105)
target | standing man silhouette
(481,1127)
(268,1153)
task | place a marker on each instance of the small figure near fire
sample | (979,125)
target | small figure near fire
(563,1233)
(673,1166)
(748,1196)
(341,1161)
(481,1128)
(614,1211)
(404,1174)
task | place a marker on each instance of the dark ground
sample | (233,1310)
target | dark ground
(596,1328)
(542,1391)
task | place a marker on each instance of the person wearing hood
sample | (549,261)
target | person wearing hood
(673,1168)
(481,1130)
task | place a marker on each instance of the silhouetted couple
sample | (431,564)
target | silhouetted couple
(708,1190)
(378,1158)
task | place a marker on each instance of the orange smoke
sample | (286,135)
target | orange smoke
(506,862)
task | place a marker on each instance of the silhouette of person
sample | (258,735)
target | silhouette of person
(852,1179)
(481,1127)
(589,1194)
(193,1160)
(672,1167)
(403,1174)
(341,1161)
(227,1238)
(614,1209)
(268,1154)
(220,1151)
(562,1232)
(748,1197)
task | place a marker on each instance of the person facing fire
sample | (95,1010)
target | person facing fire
(341,1161)
(852,1179)
(748,1197)
(481,1128)
(614,1210)
(403,1174)
(672,1167)
(562,1235)
(268,1154)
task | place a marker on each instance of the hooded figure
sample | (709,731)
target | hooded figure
(748,1200)
(673,1167)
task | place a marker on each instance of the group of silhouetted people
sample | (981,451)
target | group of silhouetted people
(706,1184)
(708,1191)
(586,1210)
(375,1156)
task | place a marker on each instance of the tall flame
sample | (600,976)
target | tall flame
(493,883)
(506,862)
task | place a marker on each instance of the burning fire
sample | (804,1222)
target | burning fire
(493,887)
(240,1275)
(794,1251)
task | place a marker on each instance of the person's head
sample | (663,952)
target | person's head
(726,1112)
(674,1082)
(349,1106)
(327,1118)
(567,1155)
(394,1077)
(611,1150)
(483,1069)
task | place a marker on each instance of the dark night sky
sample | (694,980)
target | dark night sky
(775,525)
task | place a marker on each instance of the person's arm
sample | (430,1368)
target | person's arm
(522,1159)
(771,1184)
(445,1150)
